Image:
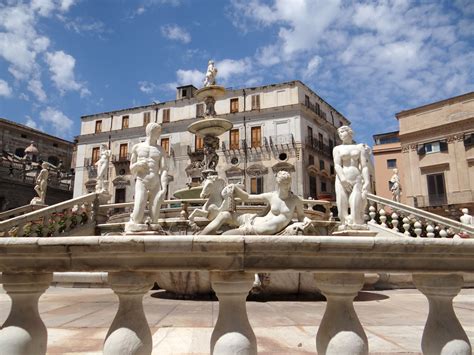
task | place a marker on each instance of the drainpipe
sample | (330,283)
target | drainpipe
(245,138)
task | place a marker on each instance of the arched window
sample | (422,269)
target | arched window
(53,160)
(20,152)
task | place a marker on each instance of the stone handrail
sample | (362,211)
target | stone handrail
(56,219)
(338,265)
(19,211)
(412,218)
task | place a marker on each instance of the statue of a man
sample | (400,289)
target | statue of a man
(148,164)
(210,74)
(396,187)
(352,179)
(41,185)
(102,164)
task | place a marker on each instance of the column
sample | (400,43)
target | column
(24,333)
(340,331)
(233,333)
(443,334)
(129,332)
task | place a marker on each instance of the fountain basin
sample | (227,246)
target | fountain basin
(210,127)
(214,91)
(193,192)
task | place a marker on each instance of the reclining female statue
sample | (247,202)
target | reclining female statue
(282,205)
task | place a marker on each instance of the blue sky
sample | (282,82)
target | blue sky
(61,59)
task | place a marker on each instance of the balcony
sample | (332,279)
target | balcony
(121,158)
(338,265)
(315,144)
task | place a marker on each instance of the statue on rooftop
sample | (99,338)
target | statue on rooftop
(102,165)
(148,164)
(211,74)
(396,187)
(41,185)
(351,162)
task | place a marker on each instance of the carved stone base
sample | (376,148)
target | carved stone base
(36,201)
(143,229)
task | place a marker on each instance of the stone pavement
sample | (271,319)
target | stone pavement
(78,318)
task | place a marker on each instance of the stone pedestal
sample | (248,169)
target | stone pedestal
(443,334)
(340,331)
(24,333)
(129,333)
(233,333)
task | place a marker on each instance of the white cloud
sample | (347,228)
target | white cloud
(60,123)
(5,89)
(312,67)
(146,87)
(176,33)
(32,123)
(36,87)
(231,68)
(61,65)
(193,77)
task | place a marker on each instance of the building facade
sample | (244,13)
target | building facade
(276,127)
(23,149)
(387,152)
(437,155)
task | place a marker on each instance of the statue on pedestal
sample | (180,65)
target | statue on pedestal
(352,180)
(211,74)
(148,164)
(466,218)
(102,165)
(41,185)
(396,187)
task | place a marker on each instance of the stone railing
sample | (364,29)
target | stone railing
(19,211)
(337,264)
(78,215)
(412,221)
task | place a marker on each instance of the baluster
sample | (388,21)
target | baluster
(232,333)
(443,233)
(45,227)
(406,226)
(430,230)
(129,332)
(443,333)
(383,218)
(395,222)
(67,219)
(418,229)
(340,331)
(24,333)
(372,214)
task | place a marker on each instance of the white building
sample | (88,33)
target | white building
(276,127)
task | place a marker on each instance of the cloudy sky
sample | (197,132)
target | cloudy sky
(61,59)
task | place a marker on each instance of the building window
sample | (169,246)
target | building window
(165,144)
(53,160)
(321,141)
(166,115)
(317,109)
(331,169)
(311,160)
(256,102)
(331,144)
(198,143)
(184,93)
(256,185)
(391,163)
(312,187)
(125,122)
(95,155)
(321,164)
(234,105)
(119,195)
(433,147)
(20,152)
(123,152)
(306,100)
(200,110)
(469,140)
(146,118)
(98,126)
(310,134)
(234,138)
(256,137)
(23,136)
(55,145)
(323,186)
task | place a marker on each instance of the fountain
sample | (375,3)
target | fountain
(208,128)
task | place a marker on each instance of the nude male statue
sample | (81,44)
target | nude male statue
(41,185)
(148,164)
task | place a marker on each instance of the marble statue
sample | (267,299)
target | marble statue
(211,189)
(396,187)
(466,218)
(211,74)
(352,179)
(148,165)
(102,165)
(41,185)
(282,205)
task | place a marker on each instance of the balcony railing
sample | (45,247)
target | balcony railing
(314,143)
(121,158)
(133,264)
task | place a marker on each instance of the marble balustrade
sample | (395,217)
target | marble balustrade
(338,265)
